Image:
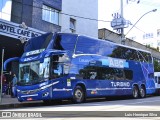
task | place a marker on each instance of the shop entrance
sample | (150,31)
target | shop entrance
(12,48)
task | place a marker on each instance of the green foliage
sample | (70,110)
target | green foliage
(156,49)
(156,66)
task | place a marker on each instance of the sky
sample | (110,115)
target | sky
(132,11)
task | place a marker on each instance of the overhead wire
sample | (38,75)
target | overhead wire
(81,17)
(149,3)
(63,13)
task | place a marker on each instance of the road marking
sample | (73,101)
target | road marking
(142,102)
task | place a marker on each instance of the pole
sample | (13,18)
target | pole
(1,76)
(122,29)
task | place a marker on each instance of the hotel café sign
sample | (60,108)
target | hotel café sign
(19,31)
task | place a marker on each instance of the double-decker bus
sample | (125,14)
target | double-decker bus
(72,66)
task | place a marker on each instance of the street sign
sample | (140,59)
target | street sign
(15,30)
(118,23)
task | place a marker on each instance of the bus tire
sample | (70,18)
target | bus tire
(142,92)
(135,92)
(78,95)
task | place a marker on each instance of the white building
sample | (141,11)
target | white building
(75,14)
(5,9)
(150,38)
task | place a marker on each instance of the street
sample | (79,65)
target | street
(146,108)
(146,104)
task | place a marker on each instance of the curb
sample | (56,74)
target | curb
(19,105)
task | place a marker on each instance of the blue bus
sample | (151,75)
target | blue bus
(70,66)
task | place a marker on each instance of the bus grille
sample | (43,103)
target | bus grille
(30,91)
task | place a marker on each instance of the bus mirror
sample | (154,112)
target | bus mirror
(10,60)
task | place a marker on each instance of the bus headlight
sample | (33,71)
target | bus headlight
(18,90)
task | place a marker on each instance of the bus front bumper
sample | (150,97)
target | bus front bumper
(30,96)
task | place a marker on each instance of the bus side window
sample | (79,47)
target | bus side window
(128,74)
(57,70)
(156,80)
(119,75)
(143,57)
(149,58)
(93,75)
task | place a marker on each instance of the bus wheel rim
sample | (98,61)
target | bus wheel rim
(135,93)
(142,92)
(78,94)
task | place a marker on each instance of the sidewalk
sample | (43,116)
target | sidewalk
(8,102)
(7,99)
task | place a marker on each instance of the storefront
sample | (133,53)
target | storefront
(13,37)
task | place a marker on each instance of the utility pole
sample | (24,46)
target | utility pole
(119,23)
(1,76)
(122,22)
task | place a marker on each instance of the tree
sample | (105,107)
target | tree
(156,66)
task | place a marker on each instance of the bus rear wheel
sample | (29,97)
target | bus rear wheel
(135,92)
(78,95)
(142,92)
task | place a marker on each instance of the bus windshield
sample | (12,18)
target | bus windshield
(33,72)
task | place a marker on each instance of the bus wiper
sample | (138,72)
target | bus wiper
(22,82)
(41,80)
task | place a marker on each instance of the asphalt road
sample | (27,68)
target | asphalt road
(147,108)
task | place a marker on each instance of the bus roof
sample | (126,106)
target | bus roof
(117,44)
(108,41)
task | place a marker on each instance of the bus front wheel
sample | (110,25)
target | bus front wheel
(135,92)
(78,95)
(142,92)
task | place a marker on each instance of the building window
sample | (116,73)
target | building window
(158,33)
(50,15)
(148,35)
(72,25)
(5,9)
